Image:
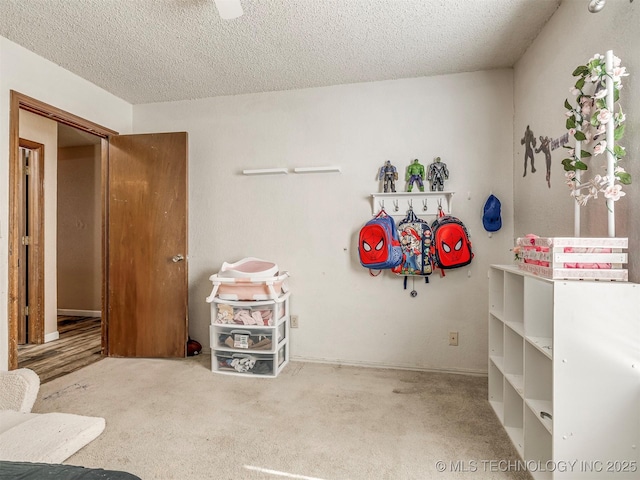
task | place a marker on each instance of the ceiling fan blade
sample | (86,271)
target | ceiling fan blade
(229,9)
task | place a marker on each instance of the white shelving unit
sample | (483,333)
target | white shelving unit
(233,345)
(564,373)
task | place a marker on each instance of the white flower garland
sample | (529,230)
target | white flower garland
(587,123)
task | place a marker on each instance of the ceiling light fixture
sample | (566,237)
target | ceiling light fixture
(229,9)
(596,5)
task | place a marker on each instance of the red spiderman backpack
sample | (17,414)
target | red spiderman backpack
(451,246)
(378,244)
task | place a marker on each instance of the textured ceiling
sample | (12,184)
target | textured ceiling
(160,50)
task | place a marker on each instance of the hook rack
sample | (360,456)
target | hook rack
(403,201)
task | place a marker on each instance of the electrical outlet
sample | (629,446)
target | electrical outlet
(294,321)
(453,339)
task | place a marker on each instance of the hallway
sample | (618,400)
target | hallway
(78,346)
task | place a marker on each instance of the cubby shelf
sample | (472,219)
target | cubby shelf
(563,370)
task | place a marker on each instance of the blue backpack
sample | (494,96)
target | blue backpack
(378,244)
(415,240)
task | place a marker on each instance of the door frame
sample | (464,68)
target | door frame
(20,101)
(31,272)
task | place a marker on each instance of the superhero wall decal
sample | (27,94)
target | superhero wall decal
(546,146)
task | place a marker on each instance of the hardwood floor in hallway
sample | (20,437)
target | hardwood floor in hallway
(79,345)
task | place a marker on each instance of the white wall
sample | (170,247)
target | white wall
(79,228)
(308,224)
(542,79)
(31,75)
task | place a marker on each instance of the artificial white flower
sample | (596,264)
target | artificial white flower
(600,147)
(596,73)
(574,91)
(571,152)
(616,61)
(614,192)
(604,116)
(601,93)
(619,72)
(619,170)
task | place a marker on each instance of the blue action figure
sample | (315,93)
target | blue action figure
(389,175)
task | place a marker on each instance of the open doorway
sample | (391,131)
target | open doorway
(68,316)
(51,127)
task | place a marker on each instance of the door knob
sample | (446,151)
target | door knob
(177,258)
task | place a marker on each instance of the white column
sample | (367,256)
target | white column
(577,209)
(611,218)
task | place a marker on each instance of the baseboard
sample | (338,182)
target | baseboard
(80,313)
(456,371)
(477,373)
(50,337)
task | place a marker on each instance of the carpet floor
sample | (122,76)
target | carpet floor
(175,419)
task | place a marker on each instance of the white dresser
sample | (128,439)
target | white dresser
(250,338)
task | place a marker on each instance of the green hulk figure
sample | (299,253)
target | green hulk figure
(415,173)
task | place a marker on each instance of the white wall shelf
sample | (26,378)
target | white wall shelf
(285,171)
(266,171)
(423,203)
(330,169)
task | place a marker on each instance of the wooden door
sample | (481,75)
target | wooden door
(147,245)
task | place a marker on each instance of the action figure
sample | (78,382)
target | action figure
(438,173)
(529,140)
(415,173)
(545,147)
(389,174)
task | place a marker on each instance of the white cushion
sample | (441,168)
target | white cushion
(18,389)
(45,437)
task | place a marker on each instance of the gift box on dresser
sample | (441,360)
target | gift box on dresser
(574,258)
